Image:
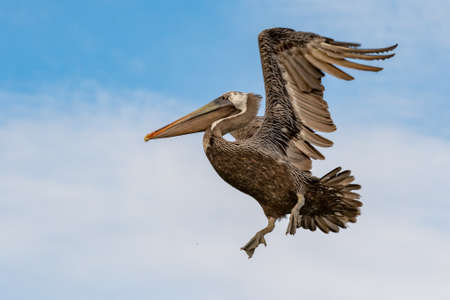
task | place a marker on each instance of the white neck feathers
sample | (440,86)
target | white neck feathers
(239,101)
(247,104)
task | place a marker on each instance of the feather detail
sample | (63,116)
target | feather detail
(354,50)
(325,119)
(344,55)
(299,81)
(351,187)
(347,180)
(308,98)
(321,224)
(313,108)
(314,138)
(330,174)
(328,68)
(352,202)
(303,222)
(310,79)
(320,126)
(337,220)
(308,149)
(333,227)
(342,62)
(299,58)
(350,195)
(352,219)
(337,180)
(298,158)
(345,44)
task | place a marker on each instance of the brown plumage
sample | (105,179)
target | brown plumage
(271,157)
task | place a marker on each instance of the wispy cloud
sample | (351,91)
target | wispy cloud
(90,207)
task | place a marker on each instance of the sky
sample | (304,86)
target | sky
(90,211)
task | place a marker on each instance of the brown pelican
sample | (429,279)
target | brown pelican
(270,159)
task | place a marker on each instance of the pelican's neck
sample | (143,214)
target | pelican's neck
(248,108)
(225,125)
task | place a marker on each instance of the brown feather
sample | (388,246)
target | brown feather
(313,108)
(333,227)
(352,202)
(345,44)
(342,62)
(352,219)
(330,174)
(299,58)
(316,117)
(310,223)
(319,125)
(314,138)
(350,211)
(308,149)
(354,50)
(306,78)
(301,84)
(343,55)
(350,195)
(312,81)
(303,222)
(336,220)
(337,180)
(351,187)
(298,158)
(326,67)
(308,98)
(347,180)
(321,224)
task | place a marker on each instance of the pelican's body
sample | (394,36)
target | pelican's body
(271,157)
(266,176)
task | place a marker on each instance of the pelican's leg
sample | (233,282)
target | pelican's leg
(259,238)
(295,215)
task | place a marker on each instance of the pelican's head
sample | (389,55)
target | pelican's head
(229,104)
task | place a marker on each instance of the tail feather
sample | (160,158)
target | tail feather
(352,187)
(331,202)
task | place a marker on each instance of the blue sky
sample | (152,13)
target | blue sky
(199,49)
(89,211)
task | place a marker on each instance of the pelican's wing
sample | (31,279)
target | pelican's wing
(293,64)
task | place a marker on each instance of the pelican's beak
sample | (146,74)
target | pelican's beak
(197,120)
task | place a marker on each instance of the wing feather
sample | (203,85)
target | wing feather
(337,48)
(328,68)
(293,64)
(314,138)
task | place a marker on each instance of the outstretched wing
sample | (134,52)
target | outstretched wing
(293,64)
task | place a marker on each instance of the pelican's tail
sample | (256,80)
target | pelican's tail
(330,202)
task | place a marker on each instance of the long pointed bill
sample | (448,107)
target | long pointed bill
(196,121)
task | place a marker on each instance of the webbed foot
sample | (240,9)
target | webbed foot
(258,238)
(254,242)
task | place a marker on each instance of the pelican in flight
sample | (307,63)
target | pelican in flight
(270,158)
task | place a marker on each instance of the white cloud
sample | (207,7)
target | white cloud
(98,213)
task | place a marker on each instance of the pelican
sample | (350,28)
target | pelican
(270,158)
